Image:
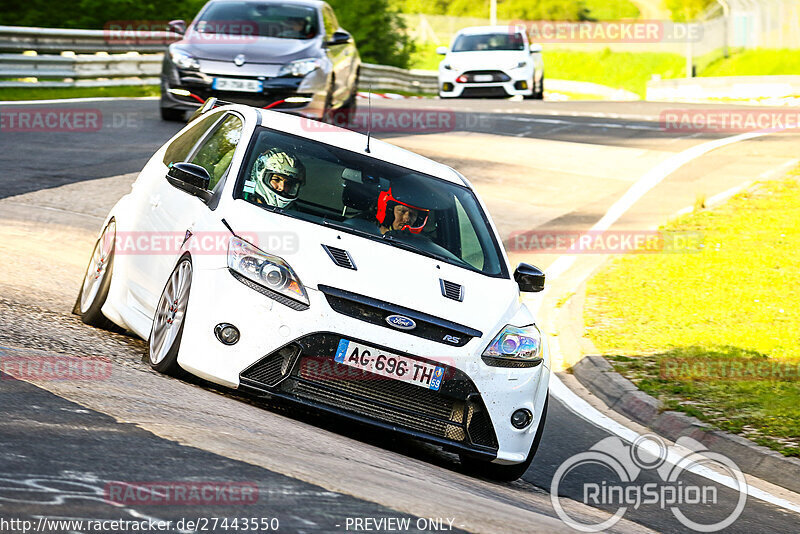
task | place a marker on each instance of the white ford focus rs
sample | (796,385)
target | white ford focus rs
(274,254)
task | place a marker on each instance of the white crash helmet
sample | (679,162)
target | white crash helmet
(277,161)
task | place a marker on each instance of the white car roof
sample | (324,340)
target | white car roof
(356,142)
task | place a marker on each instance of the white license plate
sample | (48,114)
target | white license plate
(382,363)
(236,84)
(483,78)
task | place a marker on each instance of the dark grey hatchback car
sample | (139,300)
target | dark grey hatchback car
(285,55)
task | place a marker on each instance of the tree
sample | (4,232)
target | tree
(378,30)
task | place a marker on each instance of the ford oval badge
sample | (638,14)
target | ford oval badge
(401,322)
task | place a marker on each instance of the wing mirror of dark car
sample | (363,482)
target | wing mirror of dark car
(529,278)
(339,38)
(177,26)
(191,178)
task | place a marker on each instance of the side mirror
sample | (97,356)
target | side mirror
(536,49)
(442,50)
(340,37)
(529,278)
(177,26)
(191,178)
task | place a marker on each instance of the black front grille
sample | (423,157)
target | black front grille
(375,312)
(340,257)
(497,76)
(484,92)
(452,290)
(453,415)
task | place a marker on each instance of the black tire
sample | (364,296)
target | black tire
(172,115)
(506,473)
(101,269)
(344,115)
(168,363)
(327,108)
(538,92)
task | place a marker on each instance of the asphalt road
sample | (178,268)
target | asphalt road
(537,165)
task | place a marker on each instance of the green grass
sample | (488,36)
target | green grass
(8,93)
(757,62)
(734,301)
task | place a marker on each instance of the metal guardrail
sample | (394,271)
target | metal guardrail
(47,57)
(55,40)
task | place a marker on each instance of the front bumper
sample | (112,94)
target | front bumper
(289,354)
(275,89)
(511,82)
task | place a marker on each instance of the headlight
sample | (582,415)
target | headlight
(183,60)
(299,68)
(521,65)
(265,270)
(516,343)
(447,66)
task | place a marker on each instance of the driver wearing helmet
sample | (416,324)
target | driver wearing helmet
(394,215)
(278,176)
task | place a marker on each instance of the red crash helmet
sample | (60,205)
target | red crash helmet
(385,215)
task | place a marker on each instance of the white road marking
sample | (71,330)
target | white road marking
(578,405)
(643,185)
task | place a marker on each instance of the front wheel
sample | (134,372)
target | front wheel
(97,280)
(506,473)
(165,336)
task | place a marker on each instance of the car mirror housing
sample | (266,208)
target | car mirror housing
(177,26)
(536,48)
(529,278)
(190,178)
(339,38)
(442,50)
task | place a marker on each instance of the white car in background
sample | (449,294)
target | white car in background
(491,61)
(279,255)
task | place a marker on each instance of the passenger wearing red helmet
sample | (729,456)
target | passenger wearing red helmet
(395,215)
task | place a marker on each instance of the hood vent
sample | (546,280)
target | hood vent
(452,290)
(340,257)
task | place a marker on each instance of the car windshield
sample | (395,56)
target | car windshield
(330,186)
(488,42)
(285,21)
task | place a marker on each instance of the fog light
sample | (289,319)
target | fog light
(447,87)
(521,85)
(227,334)
(521,418)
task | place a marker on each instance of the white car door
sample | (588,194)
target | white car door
(173,212)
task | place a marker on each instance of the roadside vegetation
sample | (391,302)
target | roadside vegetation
(735,303)
(527,10)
